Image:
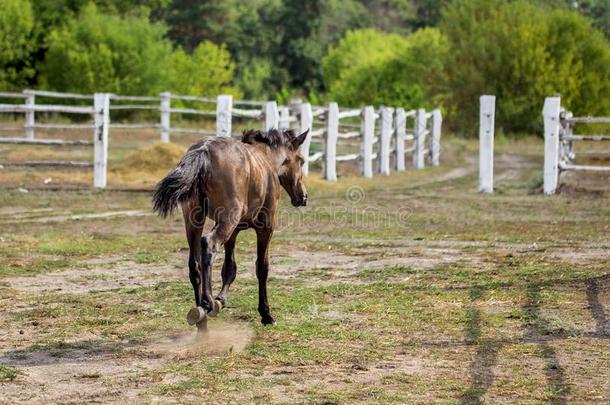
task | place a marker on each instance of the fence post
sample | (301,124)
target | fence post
(165,116)
(385,137)
(486,143)
(551,111)
(101,106)
(400,128)
(419,136)
(306,119)
(30,115)
(330,142)
(224,105)
(284,117)
(367,130)
(272,117)
(435,148)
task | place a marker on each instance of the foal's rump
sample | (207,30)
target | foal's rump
(184,182)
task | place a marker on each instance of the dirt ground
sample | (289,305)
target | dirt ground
(421,290)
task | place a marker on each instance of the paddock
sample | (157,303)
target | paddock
(411,287)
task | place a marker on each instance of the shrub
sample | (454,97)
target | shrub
(207,72)
(16,43)
(99,52)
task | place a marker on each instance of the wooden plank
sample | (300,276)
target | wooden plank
(346,158)
(349,114)
(193,98)
(420,139)
(241,113)
(4,94)
(435,145)
(487,113)
(30,119)
(316,156)
(100,140)
(23,141)
(134,98)
(582,137)
(330,142)
(49,163)
(135,126)
(192,111)
(385,138)
(564,166)
(165,108)
(55,94)
(551,111)
(133,107)
(400,129)
(224,105)
(366,145)
(349,135)
(271,116)
(305,124)
(284,122)
(590,120)
(19,108)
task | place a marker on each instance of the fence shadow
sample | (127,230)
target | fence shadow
(602,326)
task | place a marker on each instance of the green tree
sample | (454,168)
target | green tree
(16,45)
(207,72)
(520,52)
(100,52)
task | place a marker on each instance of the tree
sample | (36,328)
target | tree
(521,53)
(371,67)
(16,45)
(207,72)
(100,52)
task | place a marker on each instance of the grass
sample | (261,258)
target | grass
(466,298)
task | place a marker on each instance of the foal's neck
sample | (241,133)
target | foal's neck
(273,156)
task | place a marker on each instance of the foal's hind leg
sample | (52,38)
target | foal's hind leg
(229,268)
(194,219)
(209,246)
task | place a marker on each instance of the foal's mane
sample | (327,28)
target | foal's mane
(274,138)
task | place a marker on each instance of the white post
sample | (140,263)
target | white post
(165,116)
(30,119)
(284,117)
(330,143)
(487,115)
(101,105)
(437,123)
(400,127)
(552,108)
(224,105)
(419,136)
(272,117)
(367,131)
(385,137)
(306,121)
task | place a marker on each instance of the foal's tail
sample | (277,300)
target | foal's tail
(182,183)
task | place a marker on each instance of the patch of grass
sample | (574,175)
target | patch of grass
(7,373)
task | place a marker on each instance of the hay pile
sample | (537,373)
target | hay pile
(148,165)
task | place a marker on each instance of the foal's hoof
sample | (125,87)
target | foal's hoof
(217,307)
(196,315)
(267,320)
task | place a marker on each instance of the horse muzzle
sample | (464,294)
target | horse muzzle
(300,202)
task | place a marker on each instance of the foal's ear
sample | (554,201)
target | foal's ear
(298,141)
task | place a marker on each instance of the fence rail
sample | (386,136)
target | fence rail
(380,135)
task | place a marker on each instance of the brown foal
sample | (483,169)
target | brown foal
(236,184)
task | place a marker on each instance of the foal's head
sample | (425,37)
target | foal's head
(285,145)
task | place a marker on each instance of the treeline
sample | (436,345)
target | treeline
(394,52)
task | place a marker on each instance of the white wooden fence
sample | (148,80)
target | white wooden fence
(559,141)
(331,128)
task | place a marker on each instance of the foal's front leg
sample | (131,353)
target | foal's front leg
(263,237)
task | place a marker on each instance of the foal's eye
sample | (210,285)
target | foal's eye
(286,161)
